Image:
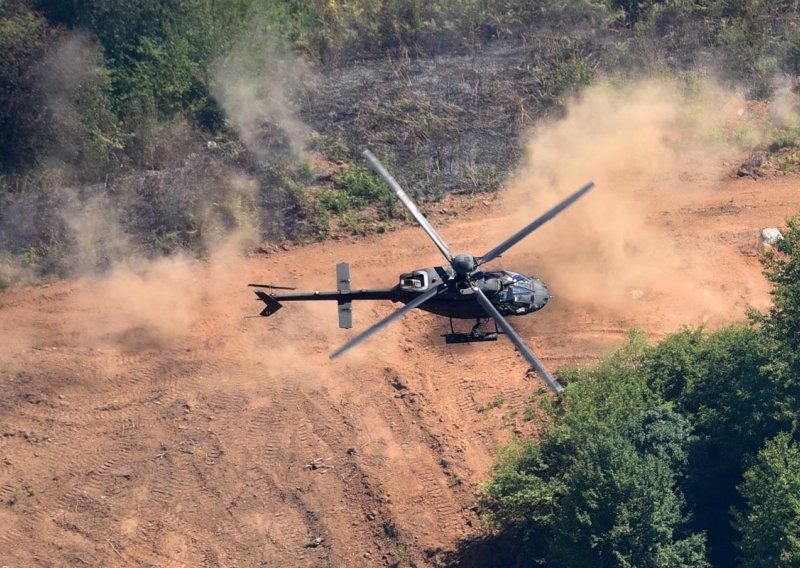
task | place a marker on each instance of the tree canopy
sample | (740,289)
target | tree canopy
(679,454)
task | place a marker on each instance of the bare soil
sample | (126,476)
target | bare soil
(144,421)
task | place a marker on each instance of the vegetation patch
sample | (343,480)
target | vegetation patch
(673,451)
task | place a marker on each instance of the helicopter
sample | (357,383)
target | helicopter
(460,289)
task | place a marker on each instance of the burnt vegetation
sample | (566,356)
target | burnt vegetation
(680,454)
(94,93)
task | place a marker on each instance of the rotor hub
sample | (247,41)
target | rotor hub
(463,264)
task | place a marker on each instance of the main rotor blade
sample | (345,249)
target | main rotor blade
(390,181)
(517,340)
(418,301)
(527,230)
(273,286)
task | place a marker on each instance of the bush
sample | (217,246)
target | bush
(602,485)
(770,523)
(356,188)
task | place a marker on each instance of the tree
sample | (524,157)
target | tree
(782,268)
(719,383)
(622,505)
(158,55)
(770,523)
(602,486)
(23,40)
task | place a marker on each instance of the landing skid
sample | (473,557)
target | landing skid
(475,335)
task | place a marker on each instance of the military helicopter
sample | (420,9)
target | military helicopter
(457,290)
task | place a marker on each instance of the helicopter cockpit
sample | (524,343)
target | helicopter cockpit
(524,294)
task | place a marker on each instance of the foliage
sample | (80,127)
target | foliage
(782,268)
(782,325)
(329,31)
(149,63)
(562,66)
(716,381)
(661,446)
(356,188)
(496,402)
(91,83)
(782,137)
(770,524)
(23,42)
(601,487)
(312,219)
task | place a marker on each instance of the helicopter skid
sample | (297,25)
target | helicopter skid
(469,337)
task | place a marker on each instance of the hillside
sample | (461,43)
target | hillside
(155,157)
(145,421)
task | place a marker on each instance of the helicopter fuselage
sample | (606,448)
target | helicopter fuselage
(513,294)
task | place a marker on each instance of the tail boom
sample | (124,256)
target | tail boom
(273,301)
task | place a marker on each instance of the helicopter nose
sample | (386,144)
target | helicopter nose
(540,293)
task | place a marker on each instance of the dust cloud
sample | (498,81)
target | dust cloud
(72,66)
(784,104)
(94,225)
(256,83)
(131,301)
(646,146)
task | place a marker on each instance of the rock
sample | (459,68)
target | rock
(637,294)
(771,235)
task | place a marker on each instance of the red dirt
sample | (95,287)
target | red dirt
(145,422)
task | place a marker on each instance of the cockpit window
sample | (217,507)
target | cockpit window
(520,295)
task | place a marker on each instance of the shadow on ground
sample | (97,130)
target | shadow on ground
(502,550)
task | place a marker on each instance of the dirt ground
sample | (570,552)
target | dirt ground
(145,421)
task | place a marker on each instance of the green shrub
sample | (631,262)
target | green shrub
(602,486)
(782,137)
(770,521)
(356,188)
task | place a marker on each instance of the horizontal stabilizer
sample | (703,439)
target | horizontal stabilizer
(343,285)
(273,305)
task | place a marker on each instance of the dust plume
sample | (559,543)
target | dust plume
(784,105)
(131,245)
(71,68)
(646,146)
(94,226)
(256,83)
